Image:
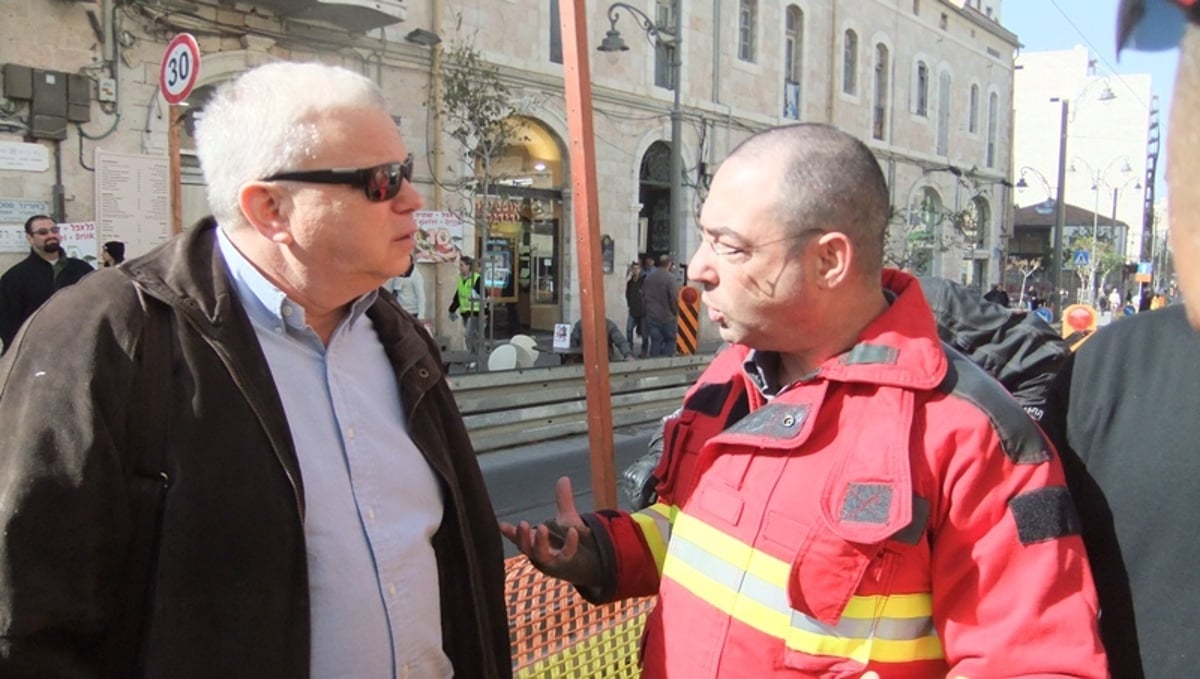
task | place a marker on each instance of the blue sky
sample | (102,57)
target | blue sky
(1061,24)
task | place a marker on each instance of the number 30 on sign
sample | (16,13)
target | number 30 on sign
(180,68)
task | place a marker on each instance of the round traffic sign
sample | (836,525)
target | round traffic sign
(180,68)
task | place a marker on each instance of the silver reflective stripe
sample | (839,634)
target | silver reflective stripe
(773,597)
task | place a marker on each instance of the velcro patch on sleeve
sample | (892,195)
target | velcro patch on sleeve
(1044,514)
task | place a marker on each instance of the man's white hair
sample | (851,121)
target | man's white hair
(263,122)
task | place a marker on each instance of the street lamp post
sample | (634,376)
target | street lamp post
(1099,179)
(1060,211)
(613,42)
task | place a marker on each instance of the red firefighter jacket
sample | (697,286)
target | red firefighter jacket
(896,512)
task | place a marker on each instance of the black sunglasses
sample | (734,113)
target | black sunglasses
(380,183)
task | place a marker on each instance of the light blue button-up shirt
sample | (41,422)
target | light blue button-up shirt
(372,502)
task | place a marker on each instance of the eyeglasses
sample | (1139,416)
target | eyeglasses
(727,250)
(46,231)
(380,183)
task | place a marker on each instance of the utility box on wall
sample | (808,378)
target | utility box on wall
(55,98)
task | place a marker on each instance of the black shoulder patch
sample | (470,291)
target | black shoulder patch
(1020,438)
(709,399)
(1044,514)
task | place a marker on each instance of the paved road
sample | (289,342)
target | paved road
(521,480)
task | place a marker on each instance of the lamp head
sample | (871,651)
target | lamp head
(1022,184)
(613,42)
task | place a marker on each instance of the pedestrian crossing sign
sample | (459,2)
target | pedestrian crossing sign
(1081,258)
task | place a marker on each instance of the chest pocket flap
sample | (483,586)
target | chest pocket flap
(867,498)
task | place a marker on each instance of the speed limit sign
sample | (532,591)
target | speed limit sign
(180,68)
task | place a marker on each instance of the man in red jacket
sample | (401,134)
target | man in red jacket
(841,494)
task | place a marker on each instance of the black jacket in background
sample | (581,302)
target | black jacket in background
(1019,349)
(1122,414)
(27,286)
(633,297)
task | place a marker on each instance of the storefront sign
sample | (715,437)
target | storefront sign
(442,236)
(79,241)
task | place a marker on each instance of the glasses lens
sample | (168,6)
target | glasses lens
(384,182)
(46,232)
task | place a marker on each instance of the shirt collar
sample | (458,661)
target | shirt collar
(265,303)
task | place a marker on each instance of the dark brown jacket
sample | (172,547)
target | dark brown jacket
(151,518)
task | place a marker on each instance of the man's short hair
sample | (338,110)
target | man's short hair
(29,222)
(264,122)
(664,260)
(828,180)
(466,260)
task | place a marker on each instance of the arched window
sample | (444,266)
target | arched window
(850,62)
(880,105)
(793,61)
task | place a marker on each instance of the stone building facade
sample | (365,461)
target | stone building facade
(927,83)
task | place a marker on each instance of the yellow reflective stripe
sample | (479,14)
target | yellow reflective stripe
(695,540)
(775,571)
(654,539)
(894,606)
(655,523)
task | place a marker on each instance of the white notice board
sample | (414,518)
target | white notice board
(133,201)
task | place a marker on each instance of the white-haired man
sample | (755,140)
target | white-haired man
(233,457)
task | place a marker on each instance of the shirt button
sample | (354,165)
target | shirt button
(349,432)
(287,310)
(392,590)
(371,514)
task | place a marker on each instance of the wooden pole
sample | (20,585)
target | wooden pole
(573,16)
(175,116)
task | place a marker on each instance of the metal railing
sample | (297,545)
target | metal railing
(516,407)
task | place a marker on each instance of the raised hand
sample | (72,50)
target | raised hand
(563,547)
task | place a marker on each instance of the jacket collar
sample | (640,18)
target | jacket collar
(189,273)
(899,348)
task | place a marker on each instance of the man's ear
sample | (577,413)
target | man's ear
(833,254)
(266,207)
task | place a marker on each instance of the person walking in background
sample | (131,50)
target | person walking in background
(841,494)
(1119,410)
(409,290)
(468,301)
(660,291)
(112,253)
(997,295)
(29,283)
(637,308)
(233,457)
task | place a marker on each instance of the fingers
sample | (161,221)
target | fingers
(564,499)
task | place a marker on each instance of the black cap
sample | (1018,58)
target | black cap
(1154,25)
(115,249)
